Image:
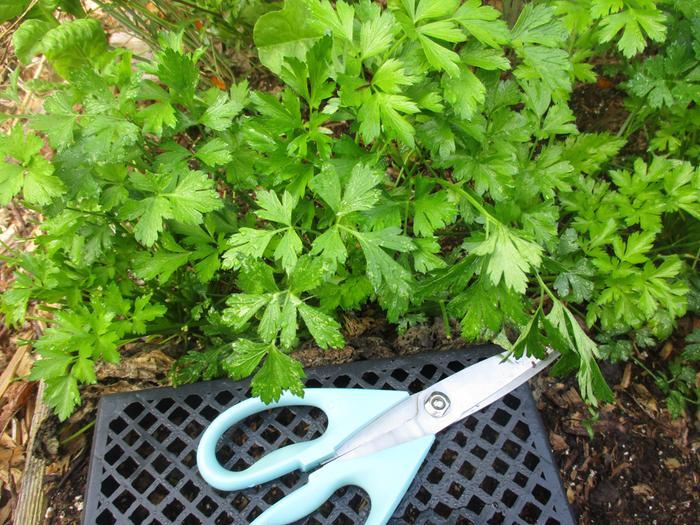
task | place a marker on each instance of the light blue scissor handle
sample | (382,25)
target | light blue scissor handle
(384,475)
(347,411)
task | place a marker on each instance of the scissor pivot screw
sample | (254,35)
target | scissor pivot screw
(437,404)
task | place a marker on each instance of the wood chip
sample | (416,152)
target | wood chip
(644,490)
(558,442)
(672,463)
(626,376)
(666,351)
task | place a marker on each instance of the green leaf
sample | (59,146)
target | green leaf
(214,152)
(338,17)
(62,395)
(243,358)
(161,264)
(465,93)
(241,307)
(30,172)
(288,333)
(11,8)
(691,352)
(247,242)
(272,209)
(510,257)
(53,363)
(360,192)
(591,382)
(288,249)
(179,72)
(186,202)
(560,120)
(576,285)
(391,76)
(432,211)
(551,66)
(157,115)
(84,371)
(59,121)
(329,245)
(279,373)
(324,329)
(376,34)
(391,281)
(289,32)
(633,22)
(72,44)
(270,323)
(220,114)
(26,40)
(482,22)
(537,24)
(145,312)
(530,341)
(440,57)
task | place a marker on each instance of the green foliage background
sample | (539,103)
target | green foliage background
(422,156)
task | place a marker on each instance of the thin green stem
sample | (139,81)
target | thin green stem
(445,319)
(473,200)
(544,287)
(78,433)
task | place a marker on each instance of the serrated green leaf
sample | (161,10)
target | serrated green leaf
(59,121)
(248,241)
(465,93)
(482,22)
(214,153)
(156,116)
(324,329)
(241,307)
(510,257)
(53,363)
(84,371)
(243,358)
(161,264)
(220,114)
(279,373)
(376,35)
(271,320)
(538,25)
(289,32)
(691,351)
(62,395)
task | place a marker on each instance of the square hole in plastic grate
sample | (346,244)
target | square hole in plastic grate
(144,470)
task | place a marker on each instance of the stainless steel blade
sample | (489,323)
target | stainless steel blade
(463,393)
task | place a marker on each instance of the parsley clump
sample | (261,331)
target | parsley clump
(422,156)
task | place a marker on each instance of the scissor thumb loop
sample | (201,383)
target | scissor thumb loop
(384,475)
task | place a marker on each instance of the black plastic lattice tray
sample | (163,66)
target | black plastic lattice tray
(493,467)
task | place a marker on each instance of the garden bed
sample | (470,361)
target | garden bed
(631,463)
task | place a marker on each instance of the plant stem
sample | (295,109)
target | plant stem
(78,433)
(445,319)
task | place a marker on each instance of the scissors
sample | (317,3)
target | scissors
(375,439)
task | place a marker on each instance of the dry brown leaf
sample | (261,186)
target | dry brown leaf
(642,489)
(558,442)
(644,397)
(672,463)
(626,376)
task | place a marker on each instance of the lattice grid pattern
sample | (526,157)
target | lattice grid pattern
(494,467)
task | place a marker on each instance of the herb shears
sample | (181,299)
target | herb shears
(375,439)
